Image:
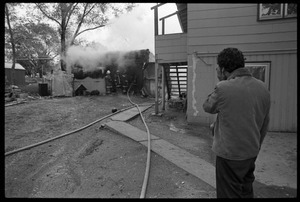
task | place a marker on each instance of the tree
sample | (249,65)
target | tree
(35,41)
(74,19)
(10,15)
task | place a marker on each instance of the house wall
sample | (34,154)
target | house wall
(171,48)
(213,27)
(202,79)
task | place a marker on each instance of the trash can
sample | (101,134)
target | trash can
(43,89)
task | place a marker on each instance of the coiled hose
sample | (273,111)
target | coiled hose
(144,187)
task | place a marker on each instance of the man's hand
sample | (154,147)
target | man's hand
(220,74)
(212,128)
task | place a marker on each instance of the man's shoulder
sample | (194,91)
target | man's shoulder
(223,84)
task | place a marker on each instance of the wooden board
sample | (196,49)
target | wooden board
(129,114)
(129,131)
(185,160)
(180,157)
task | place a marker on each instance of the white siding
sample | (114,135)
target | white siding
(283,89)
(171,48)
(211,27)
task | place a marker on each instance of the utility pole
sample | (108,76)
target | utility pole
(156,87)
(163,86)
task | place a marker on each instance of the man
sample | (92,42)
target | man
(242,103)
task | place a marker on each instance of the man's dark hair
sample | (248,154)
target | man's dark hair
(231,59)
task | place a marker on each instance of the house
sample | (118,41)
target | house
(265,33)
(19,73)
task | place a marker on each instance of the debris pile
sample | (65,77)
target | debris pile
(12,92)
(14,95)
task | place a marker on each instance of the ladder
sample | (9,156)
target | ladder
(176,79)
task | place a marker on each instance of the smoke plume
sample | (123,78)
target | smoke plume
(129,32)
(93,58)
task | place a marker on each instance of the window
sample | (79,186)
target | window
(276,11)
(290,10)
(260,70)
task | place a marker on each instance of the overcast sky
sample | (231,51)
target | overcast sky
(135,30)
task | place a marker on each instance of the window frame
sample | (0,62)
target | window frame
(283,14)
(267,64)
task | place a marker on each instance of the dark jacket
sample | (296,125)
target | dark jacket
(243,104)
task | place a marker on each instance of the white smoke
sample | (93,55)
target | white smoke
(129,32)
(92,58)
(86,57)
(132,31)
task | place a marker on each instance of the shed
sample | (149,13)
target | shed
(19,73)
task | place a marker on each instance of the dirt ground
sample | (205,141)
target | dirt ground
(97,163)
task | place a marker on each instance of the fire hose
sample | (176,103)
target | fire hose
(146,176)
(65,134)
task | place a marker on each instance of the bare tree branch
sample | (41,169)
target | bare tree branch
(79,24)
(70,12)
(85,13)
(93,28)
(51,18)
(92,7)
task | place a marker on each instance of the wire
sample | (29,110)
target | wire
(65,134)
(146,177)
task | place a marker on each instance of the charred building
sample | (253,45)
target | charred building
(118,66)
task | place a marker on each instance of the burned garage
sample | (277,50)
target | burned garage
(113,72)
